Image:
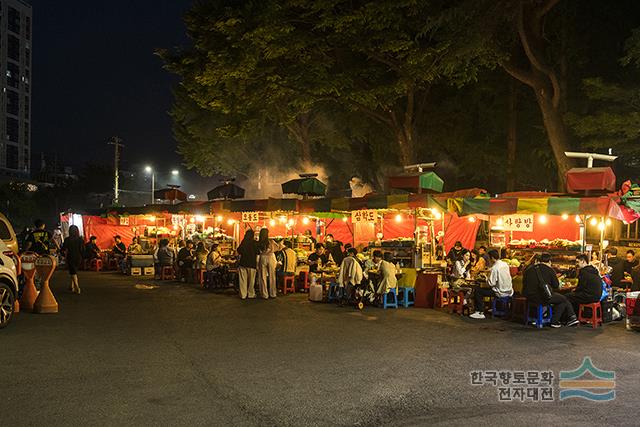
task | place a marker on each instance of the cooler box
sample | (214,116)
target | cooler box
(141,261)
(315,293)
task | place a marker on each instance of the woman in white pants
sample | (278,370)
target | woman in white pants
(267,264)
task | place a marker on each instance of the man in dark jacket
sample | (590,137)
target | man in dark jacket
(456,252)
(533,278)
(589,288)
(617,267)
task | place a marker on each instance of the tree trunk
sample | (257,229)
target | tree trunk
(512,135)
(300,132)
(556,133)
(405,140)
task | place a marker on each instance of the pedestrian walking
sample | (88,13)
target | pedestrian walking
(267,264)
(72,249)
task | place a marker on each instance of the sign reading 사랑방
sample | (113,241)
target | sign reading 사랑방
(518,223)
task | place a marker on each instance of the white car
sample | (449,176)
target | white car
(8,285)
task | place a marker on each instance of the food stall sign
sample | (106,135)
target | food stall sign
(518,223)
(250,216)
(367,215)
(124,220)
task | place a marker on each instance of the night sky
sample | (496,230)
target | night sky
(95,75)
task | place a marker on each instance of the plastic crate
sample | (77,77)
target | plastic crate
(136,271)
(149,271)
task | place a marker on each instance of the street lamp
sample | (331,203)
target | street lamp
(175,172)
(150,170)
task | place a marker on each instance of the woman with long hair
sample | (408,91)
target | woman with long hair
(72,249)
(248,252)
(267,263)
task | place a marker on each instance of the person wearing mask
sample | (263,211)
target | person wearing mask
(91,249)
(185,261)
(589,289)
(267,264)
(334,247)
(39,240)
(462,266)
(350,274)
(248,265)
(499,281)
(456,252)
(616,266)
(72,249)
(534,277)
(318,258)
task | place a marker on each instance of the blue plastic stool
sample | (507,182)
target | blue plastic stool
(335,292)
(404,299)
(500,306)
(539,317)
(385,299)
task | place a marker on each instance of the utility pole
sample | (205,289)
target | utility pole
(117,143)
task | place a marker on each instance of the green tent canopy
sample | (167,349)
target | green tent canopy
(424,182)
(306,186)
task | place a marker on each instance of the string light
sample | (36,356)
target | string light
(231,221)
(472,219)
(305,220)
(565,217)
(219,218)
(291,222)
(542,219)
(345,219)
(601,226)
(272,222)
(499,222)
(593,221)
(200,218)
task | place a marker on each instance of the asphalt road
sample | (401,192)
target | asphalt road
(178,355)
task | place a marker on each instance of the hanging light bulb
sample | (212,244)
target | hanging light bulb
(593,221)
(565,216)
(305,220)
(601,226)
(499,222)
(219,218)
(578,219)
(542,219)
(472,219)
(291,222)
(608,221)
(398,218)
(231,221)
(345,219)
(272,222)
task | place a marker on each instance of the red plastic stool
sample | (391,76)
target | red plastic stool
(595,316)
(303,280)
(289,284)
(442,297)
(456,302)
(96,264)
(167,273)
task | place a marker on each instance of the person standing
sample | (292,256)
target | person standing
(334,247)
(39,240)
(247,265)
(534,278)
(499,282)
(616,266)
(267,264)
(72,248)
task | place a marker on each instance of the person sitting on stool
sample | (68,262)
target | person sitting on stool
(589,289)
(499,281)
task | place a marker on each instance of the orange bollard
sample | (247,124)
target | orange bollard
(45,303)
(29,293)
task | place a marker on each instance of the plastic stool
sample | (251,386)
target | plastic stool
(95,264)
(456,302)
(500,306)
(595,316)
(167,273)
(385,299)
(404,299)
(442,297)
(289,284)
(334,293)
(303,281)
(539,316)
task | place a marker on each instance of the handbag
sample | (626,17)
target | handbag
(544,286)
